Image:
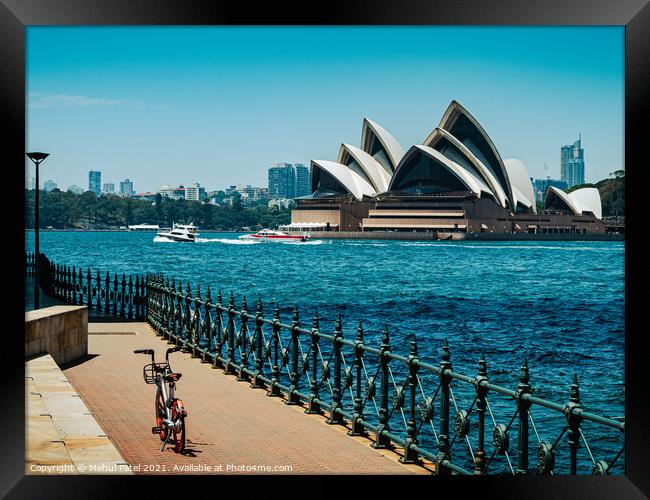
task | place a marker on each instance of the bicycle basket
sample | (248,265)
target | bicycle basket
(149,371)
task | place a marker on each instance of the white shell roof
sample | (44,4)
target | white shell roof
(570,202)
(488,177)
(379,178)
(522,188)
(588,200)
(393,148)
(455,107)
(472,182)
(353,182)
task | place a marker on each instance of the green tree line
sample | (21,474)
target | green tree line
(66,210)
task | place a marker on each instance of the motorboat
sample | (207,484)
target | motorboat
(271,235)
(181,232)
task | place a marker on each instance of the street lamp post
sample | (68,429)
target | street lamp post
(36,158)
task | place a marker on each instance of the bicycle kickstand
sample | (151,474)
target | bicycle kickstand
(166,439)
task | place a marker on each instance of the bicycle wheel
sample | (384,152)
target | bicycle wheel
(160,415)
(178,416)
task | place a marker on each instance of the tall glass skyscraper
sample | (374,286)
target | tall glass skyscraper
(95,182)
(572,163)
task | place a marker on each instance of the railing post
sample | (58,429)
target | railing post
(187,316)
(81,287)
(196,323)
(382,441)
(89,290)
(274,390)
(294,375)
(523,405)
(207,325)
(443,436)
(481,406)
(312,406)
(337,392)
(218,330)
(410,455)
(171,308)
(230,333)
(572,411)
(74,285)
(136,298)
(243,343)
(107,297)
(123,297)
(357,428)
(98,285)
(115,295)
(259,344)
(130,299)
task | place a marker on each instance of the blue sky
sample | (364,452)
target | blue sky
(218,105)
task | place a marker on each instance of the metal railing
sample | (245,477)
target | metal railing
(427,411)
(118,296)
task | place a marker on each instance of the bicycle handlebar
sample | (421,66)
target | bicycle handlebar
(169,351)
(146,351)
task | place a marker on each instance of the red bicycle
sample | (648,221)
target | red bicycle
(170,411)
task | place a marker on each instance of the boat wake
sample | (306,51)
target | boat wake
(230,241)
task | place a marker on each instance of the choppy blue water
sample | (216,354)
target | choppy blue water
(561,302)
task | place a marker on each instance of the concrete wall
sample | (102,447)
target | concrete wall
(61,331)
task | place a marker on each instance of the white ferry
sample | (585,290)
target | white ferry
(271,235)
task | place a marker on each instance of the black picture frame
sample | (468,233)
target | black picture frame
(15,15)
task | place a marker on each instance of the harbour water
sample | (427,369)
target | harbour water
(562,303)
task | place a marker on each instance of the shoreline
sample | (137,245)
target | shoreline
(398,236)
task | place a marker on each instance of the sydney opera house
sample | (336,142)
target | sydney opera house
(454,181)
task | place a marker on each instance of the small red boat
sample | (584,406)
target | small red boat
(271,235)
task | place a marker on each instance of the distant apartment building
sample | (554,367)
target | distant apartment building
(49,185)
(541,185)
(95,182)
(75,189)
(195,192)
(29,183)
(572,163)
(289,181)
(303,180)
(109,188)
(192,193)
(126,188)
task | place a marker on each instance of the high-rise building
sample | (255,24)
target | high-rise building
(49,185)
(29,183)
(126,188)
(109,188)
(289,181)
(572,163)
(282,181)
(95,182)
(303,180)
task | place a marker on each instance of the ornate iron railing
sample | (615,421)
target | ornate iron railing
(118,296)
(427,411)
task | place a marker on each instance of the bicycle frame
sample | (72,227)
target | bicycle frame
(165,390)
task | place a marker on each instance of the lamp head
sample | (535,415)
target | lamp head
(37,157)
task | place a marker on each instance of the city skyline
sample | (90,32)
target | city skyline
(149,103)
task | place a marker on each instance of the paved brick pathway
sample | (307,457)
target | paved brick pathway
(228,424)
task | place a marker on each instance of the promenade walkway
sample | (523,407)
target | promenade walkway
(228,425)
